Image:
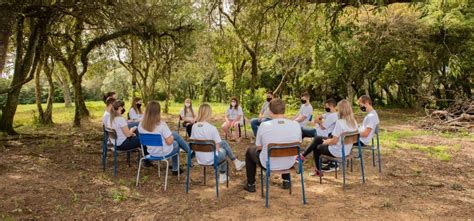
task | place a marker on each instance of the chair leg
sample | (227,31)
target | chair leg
(179,166)
(104,155)
(188,167)
(361,157)
(343,173)
(268,186)
(373,157)
(204,175)
(320,171)
(302,180)
(138,173)
(335,172)
(378,155)
(128,159)
(227,173)
(290,183)
(159,168)
(352,163)
(115,163)
(166,174)
(216,174)
(261,180)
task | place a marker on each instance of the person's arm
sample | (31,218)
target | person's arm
(300,118)
(128,132)
(169,140)
(366,132)
(226,117)
(331,141)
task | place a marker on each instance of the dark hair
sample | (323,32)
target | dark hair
(305,94)
(331,102)
(277,106)
(109,101)
(269,92)
(236,101)
(107,95)
(365,99)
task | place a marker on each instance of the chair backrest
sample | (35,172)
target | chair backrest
(377,130)
(202,145)
(283,149)
(151,139)
(350,137)
(111,133)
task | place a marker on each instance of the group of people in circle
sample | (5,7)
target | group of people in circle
(271,126)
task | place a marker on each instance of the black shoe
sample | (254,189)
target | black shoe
(329,168)
(286,184)
(250,187)
(175,173)
(148,163)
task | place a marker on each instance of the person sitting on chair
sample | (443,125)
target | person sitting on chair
(135,113)
(278,130)
(202,130)
(332,146)
(233,118)
(263,116)
(152,124)
(126,138)
(371,120)
(187,116)
(305,112)
(108,109)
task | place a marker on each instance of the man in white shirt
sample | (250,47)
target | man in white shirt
(371,120)
(324,124)
(306,110)
(278,130)
(263,116)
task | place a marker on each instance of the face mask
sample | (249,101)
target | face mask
(187,104)
(269,99)
(123,111)
(139,105)
(363,108)
(233,104)
(303,101)
(327,109)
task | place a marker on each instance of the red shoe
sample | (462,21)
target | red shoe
(299,157)
(316,173)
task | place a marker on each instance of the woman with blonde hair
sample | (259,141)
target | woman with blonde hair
(153,124)
(202,130)
(187,116)
(135,113)
(332,146)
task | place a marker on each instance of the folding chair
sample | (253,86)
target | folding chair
(206,146)
(240,128)
(180,125)
(105,143)
(346,138)
(111,133)
(282,150)
(373,148)
(155,140)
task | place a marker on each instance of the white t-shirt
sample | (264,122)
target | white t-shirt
(186,117)
(305,110)
(105,119)
(134,115)
(265,110)
(371,120)
(329,122)
(340,128)
(162,129)
(117,125)
(205,131)
(278,130)
(232,114)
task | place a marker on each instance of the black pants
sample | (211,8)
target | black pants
(189,127)
(318,148)
(252,159)
(131,143)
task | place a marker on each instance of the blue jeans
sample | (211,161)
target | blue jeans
(255,123)
(132,124)
(308,132)
(178,143)
(224,151)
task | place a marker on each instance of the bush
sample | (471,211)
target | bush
(252,103)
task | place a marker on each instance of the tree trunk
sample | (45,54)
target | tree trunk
(168,89)
(80,105)
(350,92)
(254,75)
(38,93)
(6,25)
(48,113)
(67,94)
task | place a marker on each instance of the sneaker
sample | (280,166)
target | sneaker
(239,164)
(299,157)
(250,187)
(175,173)
(286,184)
(223,178)
(316,173)
(331,167)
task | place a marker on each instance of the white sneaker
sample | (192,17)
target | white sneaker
(222,178)
(239,164)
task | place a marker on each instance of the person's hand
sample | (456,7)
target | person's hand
(326,141)
(235,123)
(260,119)
(133,129)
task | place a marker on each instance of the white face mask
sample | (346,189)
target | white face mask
(233,104)
(187,104)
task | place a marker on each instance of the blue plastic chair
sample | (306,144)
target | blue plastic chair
(111,133)
(155,140)
(373,148)
(206,146)
(282,150)
(346,138)
(105,142)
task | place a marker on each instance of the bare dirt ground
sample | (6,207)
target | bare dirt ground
(56,173)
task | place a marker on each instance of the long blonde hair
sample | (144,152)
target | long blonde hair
(137,109)
(345,112)
(190,107)
(152,116)
(204,113)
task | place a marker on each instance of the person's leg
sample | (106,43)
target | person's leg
(225,128)
(314,143)
(130,143)
(235,134)
(221,155)
(189,128)
(174,160)
(181,143)
(228,152)
(251,162)
(308,132)
(254,123)
(322,149)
